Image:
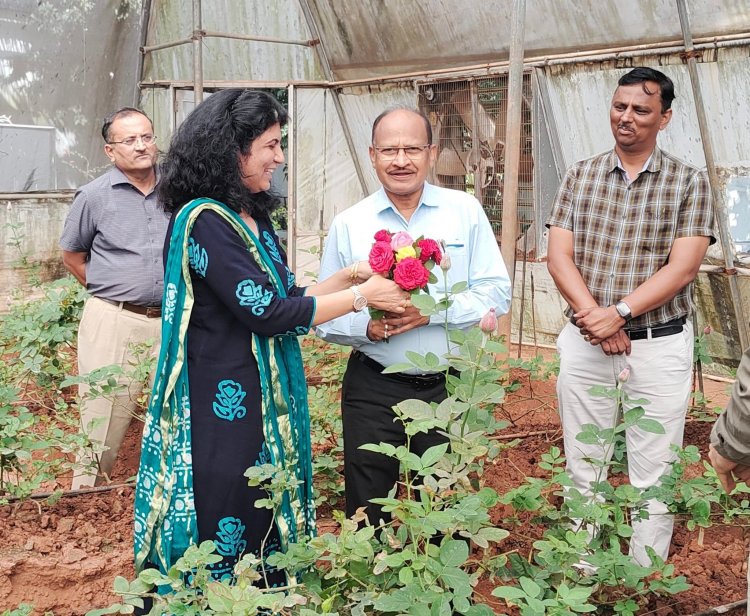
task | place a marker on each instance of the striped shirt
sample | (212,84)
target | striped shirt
(123,231)
(623,232)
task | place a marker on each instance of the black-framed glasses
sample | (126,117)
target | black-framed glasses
(130,142)
(410,151)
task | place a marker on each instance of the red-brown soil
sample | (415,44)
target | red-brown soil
(64,557)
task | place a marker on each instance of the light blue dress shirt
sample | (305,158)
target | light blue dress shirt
(443,214)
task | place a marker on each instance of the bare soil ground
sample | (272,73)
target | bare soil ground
(64,557)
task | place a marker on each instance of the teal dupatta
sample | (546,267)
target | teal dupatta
(165,517)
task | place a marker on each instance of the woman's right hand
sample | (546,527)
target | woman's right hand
(384,294)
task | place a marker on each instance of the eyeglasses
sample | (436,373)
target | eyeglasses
(411,151)
(130,142)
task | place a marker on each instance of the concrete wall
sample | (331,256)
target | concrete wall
(30,227)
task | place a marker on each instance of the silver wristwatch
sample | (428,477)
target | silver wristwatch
(360,301)
(623,310)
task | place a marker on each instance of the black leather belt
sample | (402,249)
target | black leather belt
(658,331)
(422,381)
(151,312)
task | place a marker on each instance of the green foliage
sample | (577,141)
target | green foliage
(584,545)
(700,408)
(40,334)
(39,420)
(697,498)
(442,537)
(24,609)
(701,352)
(31,446)
(187,589)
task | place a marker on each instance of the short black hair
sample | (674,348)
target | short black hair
(425,119)
(116,115)
(642,75)
(204,156)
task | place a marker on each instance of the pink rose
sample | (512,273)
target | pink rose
(430,250)
(382,236)
(410,274)
(381,258)
(401,239)
(488,324)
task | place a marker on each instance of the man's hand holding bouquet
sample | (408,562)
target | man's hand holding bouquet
(408,262)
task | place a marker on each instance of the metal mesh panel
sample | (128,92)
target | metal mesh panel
(468,121)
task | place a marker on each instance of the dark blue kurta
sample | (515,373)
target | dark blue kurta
(233,299)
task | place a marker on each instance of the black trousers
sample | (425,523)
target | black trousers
(367,401)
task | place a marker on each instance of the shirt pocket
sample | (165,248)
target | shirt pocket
(657,228)
(459,258)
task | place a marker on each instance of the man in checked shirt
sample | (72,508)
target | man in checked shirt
(627,234)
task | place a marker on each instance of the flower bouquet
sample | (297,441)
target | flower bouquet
(406,261)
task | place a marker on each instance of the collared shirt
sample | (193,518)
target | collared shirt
(450,215)
(623,232)
(123,231)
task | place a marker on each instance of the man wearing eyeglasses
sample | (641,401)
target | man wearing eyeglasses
(402,154)
(112,243)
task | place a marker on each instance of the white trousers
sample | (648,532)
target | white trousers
(105,335)
(660,372)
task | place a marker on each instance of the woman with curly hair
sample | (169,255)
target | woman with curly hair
(230,389)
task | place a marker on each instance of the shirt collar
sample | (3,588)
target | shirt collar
(652,164)
(429,198)
(117,177)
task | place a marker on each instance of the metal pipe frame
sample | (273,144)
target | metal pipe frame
(145,18)
(228,35)
(489,67)
(713,177)
(260,39)
(291,203)
(509,230)
(197,53)
(600,55)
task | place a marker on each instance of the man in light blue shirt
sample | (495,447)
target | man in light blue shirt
(402,154)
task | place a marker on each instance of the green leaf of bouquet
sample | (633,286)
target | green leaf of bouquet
(459,287)
(423,301)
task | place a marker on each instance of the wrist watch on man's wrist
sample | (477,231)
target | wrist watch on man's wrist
(624,311)
(360,301)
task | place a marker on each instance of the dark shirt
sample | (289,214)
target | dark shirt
(123,231)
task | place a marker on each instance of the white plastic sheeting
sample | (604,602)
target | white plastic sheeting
(367,39)
(327,180)
(231,59)
(66,67)
(580,97)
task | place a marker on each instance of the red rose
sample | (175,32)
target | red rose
(382,236)
(381,257)
(410,274)
(429,250)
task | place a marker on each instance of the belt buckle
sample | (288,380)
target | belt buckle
(152,312)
